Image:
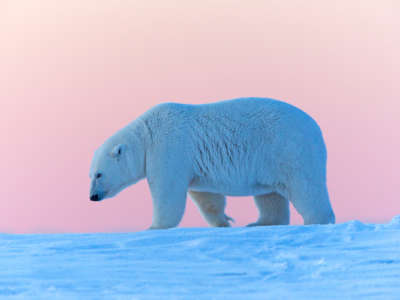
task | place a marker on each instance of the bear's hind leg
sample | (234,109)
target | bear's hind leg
(212,207)
(312,203)
(273,210)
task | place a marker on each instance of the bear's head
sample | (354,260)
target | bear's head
(115,166)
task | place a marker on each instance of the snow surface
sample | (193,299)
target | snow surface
(345,261)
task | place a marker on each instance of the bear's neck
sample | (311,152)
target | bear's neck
(136,130)
(140,130)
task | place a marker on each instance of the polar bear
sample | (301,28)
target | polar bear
(261,147)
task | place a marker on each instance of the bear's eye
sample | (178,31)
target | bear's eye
(98,175)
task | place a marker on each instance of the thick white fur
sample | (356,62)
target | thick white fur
(247,146)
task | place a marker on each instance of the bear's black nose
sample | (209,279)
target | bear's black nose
(94,197)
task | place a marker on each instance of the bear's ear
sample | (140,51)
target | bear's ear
(118,150)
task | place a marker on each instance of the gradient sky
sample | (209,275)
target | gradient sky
(73,72)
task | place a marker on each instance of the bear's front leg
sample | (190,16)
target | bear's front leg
(169,201)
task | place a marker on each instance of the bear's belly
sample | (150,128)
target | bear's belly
(231,189)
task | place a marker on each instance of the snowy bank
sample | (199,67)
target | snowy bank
(345,261)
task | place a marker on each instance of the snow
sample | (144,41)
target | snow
(345,261)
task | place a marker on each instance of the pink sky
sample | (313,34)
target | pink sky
(73,72)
